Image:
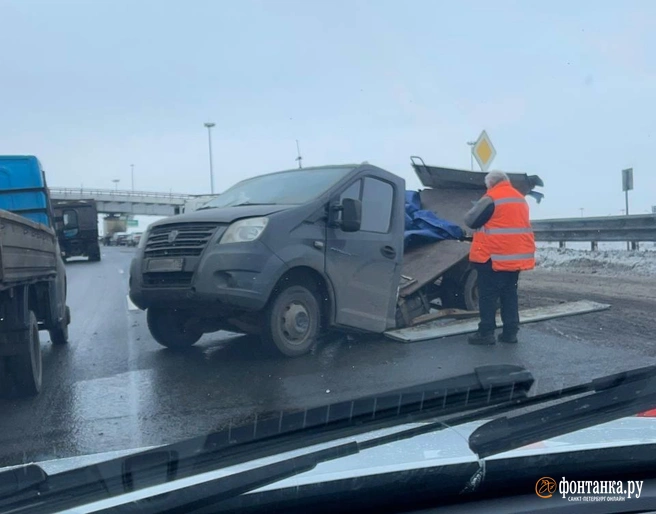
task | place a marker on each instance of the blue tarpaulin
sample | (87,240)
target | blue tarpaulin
(422,226)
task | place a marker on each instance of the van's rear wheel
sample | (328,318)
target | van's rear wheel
(26,369)
(470,291)
(461,294)
(293,321)
(170,327)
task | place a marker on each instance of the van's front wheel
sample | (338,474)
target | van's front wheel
(169,327)
(293,321)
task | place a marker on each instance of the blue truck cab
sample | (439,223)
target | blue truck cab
(23,188)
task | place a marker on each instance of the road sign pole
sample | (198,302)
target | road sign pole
(627,185)
(626,201)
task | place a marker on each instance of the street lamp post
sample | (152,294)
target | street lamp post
(132,175)
(116,181)
(209,126)
(471,154)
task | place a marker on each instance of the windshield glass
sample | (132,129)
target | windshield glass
(287,188)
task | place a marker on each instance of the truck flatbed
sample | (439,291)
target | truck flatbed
(426,263)
(441,269)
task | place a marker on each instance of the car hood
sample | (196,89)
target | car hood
(448,446)
(223,214)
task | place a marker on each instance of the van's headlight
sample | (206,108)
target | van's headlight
(243,231)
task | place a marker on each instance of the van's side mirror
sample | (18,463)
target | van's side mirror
(351,215)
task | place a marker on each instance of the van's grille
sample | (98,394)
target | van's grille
(167,279)
(190,240)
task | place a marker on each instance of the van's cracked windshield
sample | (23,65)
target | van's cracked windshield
(264,227)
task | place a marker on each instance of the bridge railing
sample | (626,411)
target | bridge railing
(75,191)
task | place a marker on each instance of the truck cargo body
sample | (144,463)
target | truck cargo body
(32,275)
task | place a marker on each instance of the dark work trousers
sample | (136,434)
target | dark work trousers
(494,288)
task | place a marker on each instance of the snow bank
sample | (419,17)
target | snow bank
(606,262)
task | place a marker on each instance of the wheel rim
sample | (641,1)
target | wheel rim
(295,323)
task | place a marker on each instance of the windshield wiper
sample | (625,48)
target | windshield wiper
(251,203)
(275,433)
(22,478)
(613,397)
(233,205)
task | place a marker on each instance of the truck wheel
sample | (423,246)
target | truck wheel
(168,327)
(26,369)
(470,291)
(461,294)
(94,256)
(59,335)
(293,321)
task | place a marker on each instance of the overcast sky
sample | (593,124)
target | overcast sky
(564,89)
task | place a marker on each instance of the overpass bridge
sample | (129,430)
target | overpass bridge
(145,203)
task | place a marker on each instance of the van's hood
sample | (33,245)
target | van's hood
(223,214)
(449,446)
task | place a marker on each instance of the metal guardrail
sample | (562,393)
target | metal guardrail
(118,192)
(634,228)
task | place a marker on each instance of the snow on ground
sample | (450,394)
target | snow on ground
(613,262)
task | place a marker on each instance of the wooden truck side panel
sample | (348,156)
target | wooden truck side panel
(28,251)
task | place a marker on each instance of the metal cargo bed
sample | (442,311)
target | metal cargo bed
(28,251)
(450,194)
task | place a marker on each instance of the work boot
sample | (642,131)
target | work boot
(505,337)
(479,338)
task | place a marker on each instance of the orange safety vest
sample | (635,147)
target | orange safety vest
(507,238)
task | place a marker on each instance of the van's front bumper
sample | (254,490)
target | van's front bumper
(238,275)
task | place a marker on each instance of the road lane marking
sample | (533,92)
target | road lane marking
(131,306)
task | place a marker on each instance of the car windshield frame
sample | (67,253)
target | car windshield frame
(258,190)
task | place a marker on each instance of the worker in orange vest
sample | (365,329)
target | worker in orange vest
(503,245)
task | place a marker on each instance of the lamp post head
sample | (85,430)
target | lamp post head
(210,125)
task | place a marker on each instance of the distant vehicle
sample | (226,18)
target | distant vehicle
(118,239)
(32,274)
(133,239)
(77,228)
(290,254)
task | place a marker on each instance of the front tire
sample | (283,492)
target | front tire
(26,369)
(168,326)
(293,321)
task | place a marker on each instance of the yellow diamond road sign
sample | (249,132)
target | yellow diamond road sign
(484,151)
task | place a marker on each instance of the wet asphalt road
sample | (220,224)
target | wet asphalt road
(114,388)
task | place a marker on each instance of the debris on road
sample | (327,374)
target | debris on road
(439,329)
